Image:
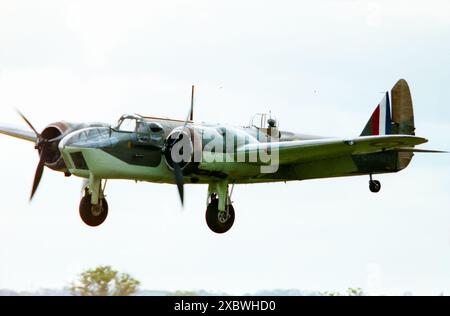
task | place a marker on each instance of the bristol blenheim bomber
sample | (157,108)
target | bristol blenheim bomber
(160,150)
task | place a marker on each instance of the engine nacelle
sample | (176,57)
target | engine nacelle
(179,148)
(52,156)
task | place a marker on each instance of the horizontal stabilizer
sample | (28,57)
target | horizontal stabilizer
(418,150)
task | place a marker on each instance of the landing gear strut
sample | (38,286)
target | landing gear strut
(93,206)
(374,185)
(220,211)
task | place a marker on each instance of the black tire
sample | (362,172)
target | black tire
(86,212)
(375,186)
(212,218)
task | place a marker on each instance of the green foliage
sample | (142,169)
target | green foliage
(350,292)
(355,292)
(104,281)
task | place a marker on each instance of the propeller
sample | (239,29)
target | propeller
(29,124)
(166,150)
(45,147)
(37,176)
(179,180)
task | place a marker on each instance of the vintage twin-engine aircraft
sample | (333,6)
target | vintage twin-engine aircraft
(173,151)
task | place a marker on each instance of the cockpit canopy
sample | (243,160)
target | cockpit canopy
(146,131)
(127,123)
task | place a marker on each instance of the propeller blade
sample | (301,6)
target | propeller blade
(28,123)
(179,180)
(38,176)
(191,112)
(192,103)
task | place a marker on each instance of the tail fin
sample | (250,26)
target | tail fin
(398,121)
(380,122)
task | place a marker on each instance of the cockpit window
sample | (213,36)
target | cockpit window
(149,132)
(156,128)
(89,137)
(142,128)
(127,125)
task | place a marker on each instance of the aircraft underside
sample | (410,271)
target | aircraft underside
(98,165)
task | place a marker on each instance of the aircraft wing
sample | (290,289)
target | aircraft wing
(18,133)
(310,150)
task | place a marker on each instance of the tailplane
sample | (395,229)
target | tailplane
(394,115)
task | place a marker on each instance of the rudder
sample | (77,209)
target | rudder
(402,117)
(402,109)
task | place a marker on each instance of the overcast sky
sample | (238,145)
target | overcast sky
(319,66)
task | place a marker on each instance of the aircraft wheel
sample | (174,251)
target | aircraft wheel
(374,186)
(219,222)
(93,215)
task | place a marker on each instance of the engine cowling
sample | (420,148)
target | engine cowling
(182,145)
(52,155)
(53,134)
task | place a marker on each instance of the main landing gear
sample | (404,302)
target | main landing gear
(374,185)
(220,211)
(93,205)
